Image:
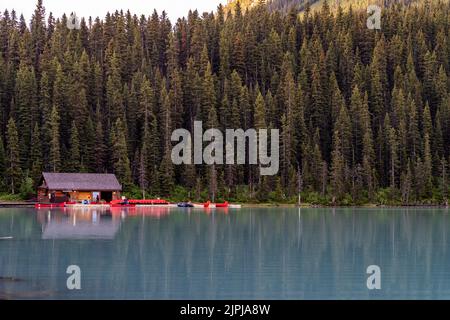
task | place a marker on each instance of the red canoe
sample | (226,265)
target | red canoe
(217,205)
(222,205)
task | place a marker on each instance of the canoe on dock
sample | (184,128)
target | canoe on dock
(155,202)
(185,205)
(216,205)
(136,203)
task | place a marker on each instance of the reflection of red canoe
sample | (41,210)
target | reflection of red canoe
(141,202)
(49,205)
(118,205)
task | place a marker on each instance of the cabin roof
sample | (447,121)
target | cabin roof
(81,181)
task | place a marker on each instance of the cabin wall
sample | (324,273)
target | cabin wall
(42,195)
(77,196)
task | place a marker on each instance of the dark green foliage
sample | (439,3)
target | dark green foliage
(121,162)
(363,115)
(55,149)
(36,155)
(13,171)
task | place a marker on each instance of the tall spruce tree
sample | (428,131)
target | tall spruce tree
(55,147)
(36,155)
(120,155)
(13,171)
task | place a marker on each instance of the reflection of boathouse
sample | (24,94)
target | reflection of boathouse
(78,225)
(62,187)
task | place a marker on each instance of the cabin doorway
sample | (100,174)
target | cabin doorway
(107,196)
(96,196)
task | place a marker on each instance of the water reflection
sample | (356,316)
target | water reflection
(87,223)
(78,224)
(249,253)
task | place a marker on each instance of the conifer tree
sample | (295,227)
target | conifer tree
(121,163)
(2,163)
(25,99)
(36,154)
(337,167)
(427,164)
(114,98)
(393,164)
(74,164)
(13,171)
(55,151)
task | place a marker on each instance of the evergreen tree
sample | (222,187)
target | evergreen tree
(55,150)
(337,168)
(121,163)
(36,154)
(427,165)
(2,163)
(13,171)
(393,143)
(25,99)
(74,164)
(114,98)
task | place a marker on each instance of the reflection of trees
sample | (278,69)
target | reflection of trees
(251,253)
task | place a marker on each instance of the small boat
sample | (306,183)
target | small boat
(122,204)
(222,205)
(185,205)
(215,205)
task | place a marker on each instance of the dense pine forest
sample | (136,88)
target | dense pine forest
(364,115)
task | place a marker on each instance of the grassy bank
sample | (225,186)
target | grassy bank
(8,197)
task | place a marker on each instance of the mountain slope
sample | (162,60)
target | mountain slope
(300,5)
(282,5)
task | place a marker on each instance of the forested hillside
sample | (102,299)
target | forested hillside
(280,5)
(364,114)
(285,6)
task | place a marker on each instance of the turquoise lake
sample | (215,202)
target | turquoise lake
(270,253)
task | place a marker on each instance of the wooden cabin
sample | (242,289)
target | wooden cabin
(76,187)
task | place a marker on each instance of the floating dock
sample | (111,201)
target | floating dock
(156,203)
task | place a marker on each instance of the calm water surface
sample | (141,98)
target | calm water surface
(162,253)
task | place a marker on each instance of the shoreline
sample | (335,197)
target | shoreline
(27,204)
(311,206)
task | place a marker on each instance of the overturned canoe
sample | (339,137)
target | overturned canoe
(185,205)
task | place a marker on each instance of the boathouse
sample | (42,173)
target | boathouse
(76,187)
